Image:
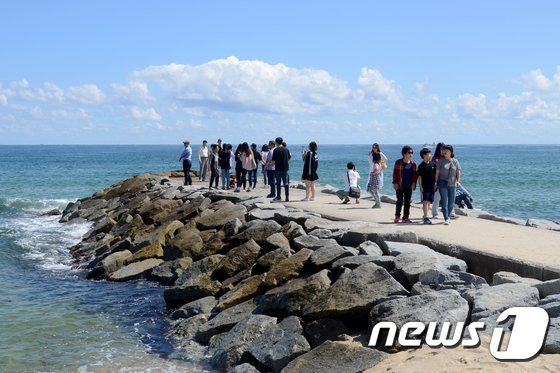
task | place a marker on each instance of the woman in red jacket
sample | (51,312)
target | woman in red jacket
(404,182)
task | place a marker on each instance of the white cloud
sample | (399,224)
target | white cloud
(232,85)
(134,92)
(86,94)
(149,114)
(471,106)
(3,100)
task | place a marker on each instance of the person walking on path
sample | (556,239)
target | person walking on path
(214,166)
(448,175)
(203,161)
(264,156)
(437,199)
(404,182)
(351,177)
(281,160)
(310,165)
(426,179)
(376,178)
(376,149)
(253,173)
(225,165)
(186,157)
(271,169)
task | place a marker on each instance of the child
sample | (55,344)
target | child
(351,177)
(376,179)
(214,166)
(427,179)
(463,198)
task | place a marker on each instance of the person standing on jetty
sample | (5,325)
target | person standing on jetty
(448,175)
(351,177)
(281,159)
(376,178)
(376,149)
(225,165)
(203,161)
(214,166)
(426,179)
(270,169)
(247,165)
(310,165)
(264,156)
(437,198)
(404,182)
(238,167)
(253,173)
(186,157)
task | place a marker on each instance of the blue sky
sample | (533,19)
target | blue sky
(155,72)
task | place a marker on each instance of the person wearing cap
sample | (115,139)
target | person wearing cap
(203,161)
(186,157)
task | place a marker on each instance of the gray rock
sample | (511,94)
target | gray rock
(489,302)
(287,269)
(546,288)
(53,212)
(228,349)
(552,341)
(353,262)
(135,270)
(219,218)
(115,261)
(187,328)
(231,228)
(293,296)
(202,306)
(245,290)
(168,272)
(276,241)
(370,248)
(258,230)
(225,320)
(199,268)
(187,243)
(323,257)
(322,330)
(512,278)
(292,230)
(543,224)
(258,214)
(336,357)
(265,262)
(387,262)
(280,344)
(199,287)
(243,368)
(328,189)
(434,306)
(445,279)
(311,242)
(356,235)
(355,293)
(321,233)
(237,260)
(551,305)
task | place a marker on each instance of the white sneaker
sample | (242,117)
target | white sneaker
(312,199)
(447,222)
(305,199)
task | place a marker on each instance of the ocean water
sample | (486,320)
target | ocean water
(52,320)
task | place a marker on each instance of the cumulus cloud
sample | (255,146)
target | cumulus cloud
(149,114)
(471,106)
(86,94)
(233,85)
(133,92)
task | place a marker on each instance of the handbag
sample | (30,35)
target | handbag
(354,192)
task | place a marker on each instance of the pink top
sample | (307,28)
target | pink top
(247,161)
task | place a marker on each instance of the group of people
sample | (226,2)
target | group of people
(438,176)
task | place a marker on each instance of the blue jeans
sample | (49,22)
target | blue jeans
(282,176)
(225,177)
(243,180)
(253,178)
(447,194)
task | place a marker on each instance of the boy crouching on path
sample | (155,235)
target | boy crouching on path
(427,179)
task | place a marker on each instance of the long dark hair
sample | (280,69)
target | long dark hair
(437,153)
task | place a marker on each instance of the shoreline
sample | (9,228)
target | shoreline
(236,262)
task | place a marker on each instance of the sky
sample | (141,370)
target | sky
(353,72)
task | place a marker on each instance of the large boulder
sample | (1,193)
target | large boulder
(336,357)
(354,262)
(552,341)
(311,242)
(322,330)
(292,230)
(288,268)
(276,241)
(355,293)
(168,272)
(293,296)
(225,320)
(200,287)
(370,248)
(446,279)
(323,257)
(199,268)
(243,291)
(187,243)
(238,259)
(219,218)
(489,302)
(505,277)
(202,306)
(135,270)
(265,262)
(258,230)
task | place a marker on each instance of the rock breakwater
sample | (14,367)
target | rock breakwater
(265,287)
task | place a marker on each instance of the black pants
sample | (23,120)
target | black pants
(187,170)
(214,177)
(271,182)
(403,196)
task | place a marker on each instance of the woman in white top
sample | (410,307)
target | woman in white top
(351,177)
(373,165)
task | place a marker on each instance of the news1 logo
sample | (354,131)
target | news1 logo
(526,339)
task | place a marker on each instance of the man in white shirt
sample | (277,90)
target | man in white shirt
(351,177)
(203,161)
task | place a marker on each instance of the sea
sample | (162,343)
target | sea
(53,320)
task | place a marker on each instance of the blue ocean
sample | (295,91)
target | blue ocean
(55,321)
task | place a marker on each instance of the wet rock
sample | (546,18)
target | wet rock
(243,368)
(202,287)
(355,293)
(186,328)
(336,357)
(53,212)
(202,306)
(225,320)
(293,296)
